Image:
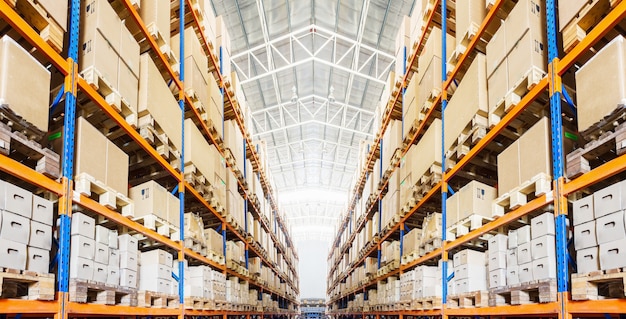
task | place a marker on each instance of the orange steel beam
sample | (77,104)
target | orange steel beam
(22,27)
(517,310)
(612,306)
(18,306)
(75,308)
(597,174)
(28,174)
(611,20)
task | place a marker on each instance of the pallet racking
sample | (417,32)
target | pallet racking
(61,307)
(549,88)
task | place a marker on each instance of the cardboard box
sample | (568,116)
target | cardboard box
(42,210)
(583,210)
(100,41)
(498,86)
(102,253)
(87,160)
(512,238)
(497,260)
(587,260)
(113,238)
(429,84)
(114,257)
(173,210)
(469,256)
(17,69)
(57,10)
(601,84)
(100,272)
(568,12)
(12,254)
(609,200)
(523,235)
(524,254)
(198,152)
(542,225)
(527,17)
(83,225)
(128,87)
(129,52)
(38,260)
(40,235)
(157,257)
(512,275)
(429,148)
(544,268)
(469,17)
(16,200)
(102,235)
(150,198)
(113,275)
(469,99)
(116,169)
(81,268)
(508,169)
(15,228)
(156,99)
(585,235)
(193,48)
(432,49)
(543,246)
(497,278)
(128,260)
(127,243)
(511,257)
(534,151)
(83,247)
(529,54)
(467,270)
(128,278)
(151,272)
(475,198)
(525,272)
(608,228)
(156,16)
(497,50)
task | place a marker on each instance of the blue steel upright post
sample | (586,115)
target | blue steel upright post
(560,201)
(245,203)
(444,184)
(181,187)
(65,201)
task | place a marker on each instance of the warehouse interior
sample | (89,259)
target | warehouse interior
(270,159)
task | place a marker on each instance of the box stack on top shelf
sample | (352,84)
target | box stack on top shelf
(126,156)
(499,166)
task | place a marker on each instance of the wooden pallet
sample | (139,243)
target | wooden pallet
(43,23)
(587,18)
(158,224)
(198,303)
(427,303)
(473,132)
(466,225)
(475,299)
(87,185)
(218,258)
(410,257)
(87,291)
(23,284)
(198,181)
(165,49)
(537,186)
(526,83)
(196,245)
(606,146)
(430,178)
(16,145)
(152,132)
(430,245)
(538,291)
(108,90)
(151,299)
(600,284)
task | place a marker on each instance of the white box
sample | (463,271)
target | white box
(512,239)
(542,225)
(525,272)
(16,200)
(465,270)
(128,243)
(608,200)
(113,275)
(114,257)
(102,254)
(497,260)
(154,284)
(585,235)
(128,260)
(15,227)
(497,278)
(157,256)
(583,210)
(512,276)
(469,256)
(81,268)
(523,235)
(82,246)
(102,235)
(42,210)
(113,239)
(40,235)
(499,242)
(544,268)
(13,254)
(100,272)
(511,257)
(83,225)
(38,260)
(153,271)
(473,283)
(608,227)
(613,254)
(523,254)
(128,278)
(587,260)
(543,246)
(174,288)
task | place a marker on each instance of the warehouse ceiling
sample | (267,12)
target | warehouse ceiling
(312,73)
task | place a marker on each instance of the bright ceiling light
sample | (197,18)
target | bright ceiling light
(331,97)
(294,94)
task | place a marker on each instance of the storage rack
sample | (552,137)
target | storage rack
(551,86)
(61,307)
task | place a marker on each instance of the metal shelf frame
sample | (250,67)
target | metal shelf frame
(61,307)
(564,308)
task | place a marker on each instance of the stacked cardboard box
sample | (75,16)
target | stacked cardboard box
(411,241)
(156,17)
(17,71)
(128,248)
(392,141)
(206,283)
(194,228)
(497,260)
(429,68)
(516,53)
(475,198)
(214,241)
(109,56)
(26,229)
(599,229)
(152,199)
(421,282)
(469,17)
(83,247)
(403,46)
(155,271)
(222,44)
(196,68)
(470,271)
(535,251)
(235,251)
